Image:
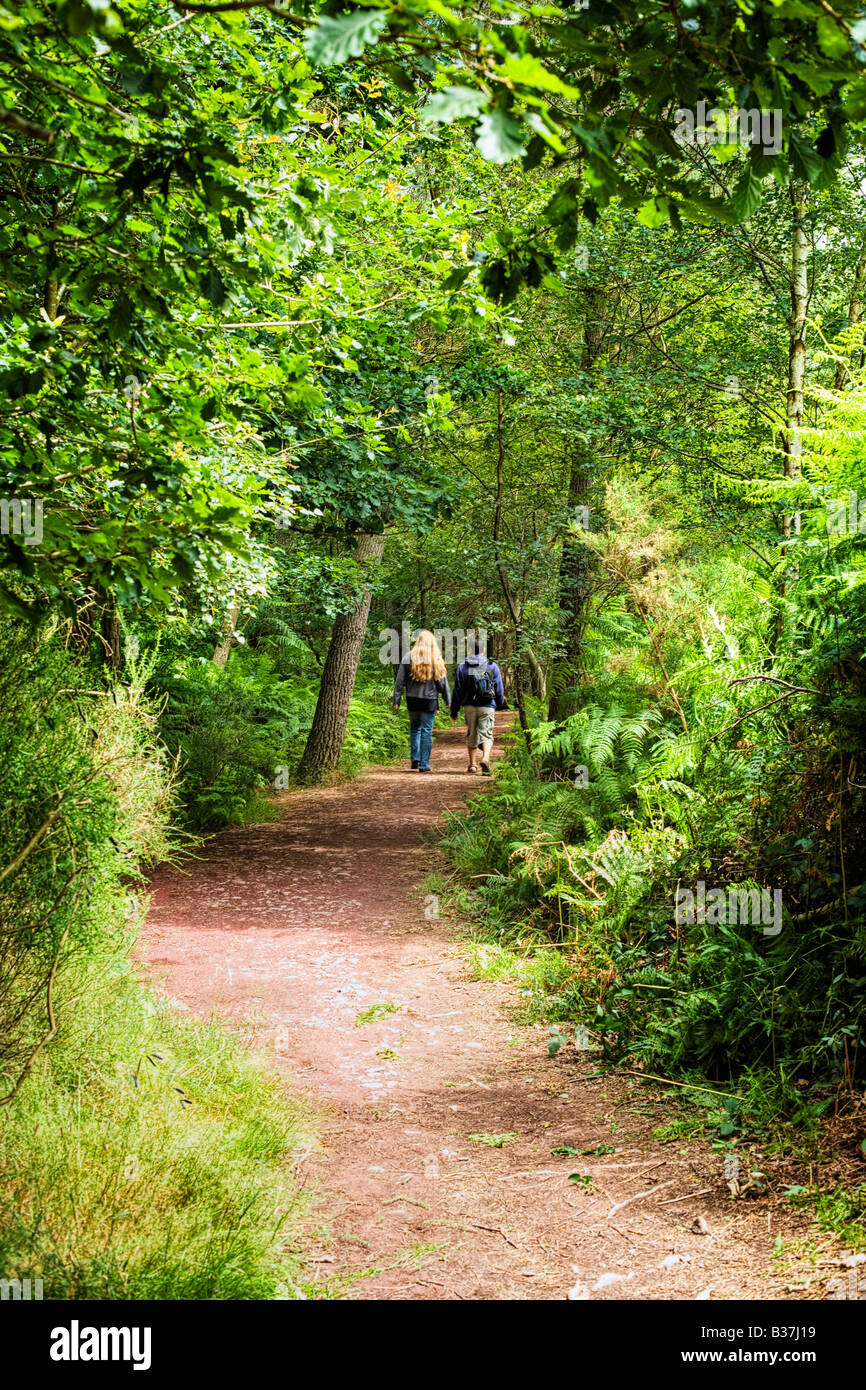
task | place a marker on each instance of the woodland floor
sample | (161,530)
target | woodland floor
(289,930)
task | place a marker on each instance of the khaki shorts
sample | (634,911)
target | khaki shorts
(479,724)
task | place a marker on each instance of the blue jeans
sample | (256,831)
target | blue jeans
(421,736)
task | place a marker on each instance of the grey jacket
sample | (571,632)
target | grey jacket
(427,691)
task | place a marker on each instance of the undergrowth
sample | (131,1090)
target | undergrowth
(149,1157)
(141,1156)
(238,735)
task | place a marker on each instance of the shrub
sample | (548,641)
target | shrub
(143,1156)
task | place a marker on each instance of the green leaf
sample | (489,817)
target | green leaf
(529,72)
(855,101)
(336,40)
(499,138)
(831,38)
(805,161)
(213,287)
(452,103)
(654,212)
(747,194)
(455,279)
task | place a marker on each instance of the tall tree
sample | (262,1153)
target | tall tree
(792,439)
(575,558)
(325,742)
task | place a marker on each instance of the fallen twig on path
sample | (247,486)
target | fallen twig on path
(668,1201)
(636,1177)
(638,1197)
(529,1173)
(649,1076)
(497,1230)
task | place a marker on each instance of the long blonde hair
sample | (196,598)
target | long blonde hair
(425,658)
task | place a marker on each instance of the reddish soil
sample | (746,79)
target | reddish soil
(293,928)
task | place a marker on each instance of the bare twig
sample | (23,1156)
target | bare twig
(46,1038)
(33,841)
(13,121)
(687,1085)
(638,1197)
(497,1230)
(774,680)
(669,1201)
(757,709)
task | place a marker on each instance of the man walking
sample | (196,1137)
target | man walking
(478,691)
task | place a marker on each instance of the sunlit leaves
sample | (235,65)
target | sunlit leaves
(453,103)
(334,40)
(499,138)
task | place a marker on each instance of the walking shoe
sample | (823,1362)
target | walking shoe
(485,768)
(425,769)
(472,768)
(414,764)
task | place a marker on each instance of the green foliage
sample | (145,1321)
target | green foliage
(841,1210)
(239,734)
(84,800)
(627,71)
(148,1157)
(374,1013)
(231,730)
(591,865)
(334,40)
(493,1141)
(144,1157)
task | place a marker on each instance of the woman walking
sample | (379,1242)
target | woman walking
(422,675)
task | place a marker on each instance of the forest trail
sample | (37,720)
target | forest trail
(293,929)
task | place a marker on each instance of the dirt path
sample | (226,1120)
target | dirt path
(299,926)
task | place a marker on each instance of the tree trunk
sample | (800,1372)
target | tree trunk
(797,344)
(539,677)
(575,561)
(574,575)
(512,604)
(325,742)
(792,438)
(423,588)
(230,622)
(111,634)
(842,378)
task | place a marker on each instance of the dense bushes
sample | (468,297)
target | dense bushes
(629,809)
(239,732)
(84,797)
(142,1156)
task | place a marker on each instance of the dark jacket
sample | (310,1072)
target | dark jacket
(464,686)
(419,694)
